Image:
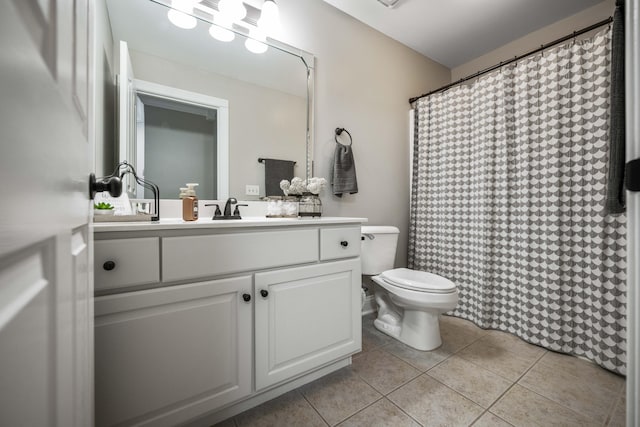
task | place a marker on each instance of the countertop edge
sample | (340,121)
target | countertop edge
(179,224)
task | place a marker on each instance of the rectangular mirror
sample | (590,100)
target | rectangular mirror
(264,100)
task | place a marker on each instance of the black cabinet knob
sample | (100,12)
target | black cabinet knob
(264,293)
(344,243)
(109,265)
(246,297)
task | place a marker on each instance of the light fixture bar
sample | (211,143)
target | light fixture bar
(236,17)
(210,7)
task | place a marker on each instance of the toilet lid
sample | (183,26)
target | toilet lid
(418,280)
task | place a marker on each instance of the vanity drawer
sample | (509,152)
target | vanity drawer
(126,262)
(339,242)
(191,257)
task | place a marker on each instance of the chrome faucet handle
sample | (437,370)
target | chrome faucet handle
(227,206)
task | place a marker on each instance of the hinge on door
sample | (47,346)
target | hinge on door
(632,175)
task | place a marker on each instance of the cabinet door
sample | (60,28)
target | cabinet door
(166,355)
(306,317)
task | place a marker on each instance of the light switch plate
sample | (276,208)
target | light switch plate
(252,190)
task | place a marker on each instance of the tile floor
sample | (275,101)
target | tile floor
(477,377)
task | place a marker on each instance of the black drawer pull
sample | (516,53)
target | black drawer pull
(264,293)
(109,265)
(344,243)
(246,297)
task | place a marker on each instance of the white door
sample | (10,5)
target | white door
(45,282)
(632,76)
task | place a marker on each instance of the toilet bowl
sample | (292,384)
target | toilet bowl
(409,306)
(409,302)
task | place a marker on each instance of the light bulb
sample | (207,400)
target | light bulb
(221,34)
(220,29)
(269,21)
(255,42)
(179,14)
(233,10)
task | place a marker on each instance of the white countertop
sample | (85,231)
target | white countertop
(180,224)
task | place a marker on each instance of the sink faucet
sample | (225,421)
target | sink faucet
(227,206)
(227,209)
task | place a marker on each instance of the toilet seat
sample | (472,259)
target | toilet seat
(419,281)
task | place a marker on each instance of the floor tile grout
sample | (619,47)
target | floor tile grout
(314,408)
(404,412)
(502,375)
(609,411)
(513,383)
(385,349)
(487,409)
(614,404)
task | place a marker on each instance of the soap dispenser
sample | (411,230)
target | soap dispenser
(189,203)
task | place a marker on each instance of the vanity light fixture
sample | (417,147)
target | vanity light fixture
(232,10)
(269,21)
(180,14)
(220,29)
(255,42)
(227,14)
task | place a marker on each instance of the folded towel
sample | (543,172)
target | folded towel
(274,172)
(615,202)
(343,176)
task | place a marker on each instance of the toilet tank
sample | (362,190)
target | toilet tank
(378,248)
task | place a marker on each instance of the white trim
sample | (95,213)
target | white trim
(632,73)
(200,100)
(172,93)
(223,153)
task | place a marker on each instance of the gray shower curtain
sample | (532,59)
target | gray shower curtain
(508,201)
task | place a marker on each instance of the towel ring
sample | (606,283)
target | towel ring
(339,132)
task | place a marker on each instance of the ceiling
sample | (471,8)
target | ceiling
(453,32)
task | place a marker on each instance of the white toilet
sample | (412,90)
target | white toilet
(409,302)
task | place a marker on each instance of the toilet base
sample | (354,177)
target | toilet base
(419,329)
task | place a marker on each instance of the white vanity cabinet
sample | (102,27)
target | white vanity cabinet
(236,317)
(304,318)
(165,354)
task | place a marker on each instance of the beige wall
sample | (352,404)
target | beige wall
(536,39)
(363,82)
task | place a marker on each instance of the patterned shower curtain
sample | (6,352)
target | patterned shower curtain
(508,201)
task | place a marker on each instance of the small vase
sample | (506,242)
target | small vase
(103,211)
(309,205)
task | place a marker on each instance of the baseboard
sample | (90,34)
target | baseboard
(369,306)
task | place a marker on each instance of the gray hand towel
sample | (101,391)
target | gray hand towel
(615,202)
(274,172)
(343,176)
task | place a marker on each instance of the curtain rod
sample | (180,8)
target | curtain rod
(517,58)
